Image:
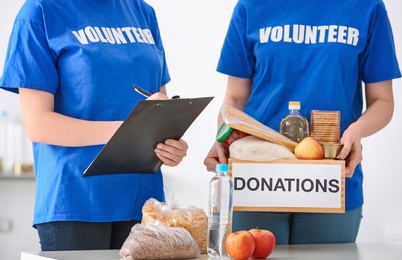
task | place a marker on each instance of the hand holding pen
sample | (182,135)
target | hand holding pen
(148,94)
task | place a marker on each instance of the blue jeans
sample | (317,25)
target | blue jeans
(303,228)
(73,235)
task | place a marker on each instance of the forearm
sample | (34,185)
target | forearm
(43,125)
(373,120)
(379,111)
(57,129)
(237,94)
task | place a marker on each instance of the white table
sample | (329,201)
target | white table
(358,251)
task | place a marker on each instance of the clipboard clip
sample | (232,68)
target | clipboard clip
(148,94)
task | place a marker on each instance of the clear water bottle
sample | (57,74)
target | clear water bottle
(294,126)
(219,211)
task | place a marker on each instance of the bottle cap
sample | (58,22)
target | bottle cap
(222,168)
(294,105)
(223,132)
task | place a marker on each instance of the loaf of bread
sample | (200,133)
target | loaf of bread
(256,149)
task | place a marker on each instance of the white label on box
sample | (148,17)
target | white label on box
(287,185)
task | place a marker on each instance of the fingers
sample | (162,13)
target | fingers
(217,154)
(352,160)
(350,168)
(157,96)
(210,163)
(172,152)
(352,154)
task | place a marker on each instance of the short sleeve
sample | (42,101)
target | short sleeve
(378,61)
(29,61)
(158,41)
(237,57)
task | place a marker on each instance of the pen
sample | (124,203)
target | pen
(141,91)
(147,94)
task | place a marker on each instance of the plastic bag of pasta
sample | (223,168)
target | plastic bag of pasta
(176,214)
(158,241)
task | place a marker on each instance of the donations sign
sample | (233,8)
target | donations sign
(288,185)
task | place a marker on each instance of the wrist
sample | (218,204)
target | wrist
(356,129)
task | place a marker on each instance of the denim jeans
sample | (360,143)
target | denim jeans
(72,235)
(303,228)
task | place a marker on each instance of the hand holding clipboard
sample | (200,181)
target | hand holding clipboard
(131,148)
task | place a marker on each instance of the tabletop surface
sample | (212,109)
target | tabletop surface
(360,251)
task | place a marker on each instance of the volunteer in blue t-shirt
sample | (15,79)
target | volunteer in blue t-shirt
(328,55)
(73,64)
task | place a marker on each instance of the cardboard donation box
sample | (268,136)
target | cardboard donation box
(288,185)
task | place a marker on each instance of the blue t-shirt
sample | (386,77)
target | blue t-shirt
(87,54)
(317,52)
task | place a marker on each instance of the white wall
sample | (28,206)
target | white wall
(193,32)
(16,196)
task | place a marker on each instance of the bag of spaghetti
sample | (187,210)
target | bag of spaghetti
(174,213)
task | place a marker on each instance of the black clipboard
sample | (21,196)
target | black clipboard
(131,148)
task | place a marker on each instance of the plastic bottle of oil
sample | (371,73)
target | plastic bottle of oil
(294,126)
